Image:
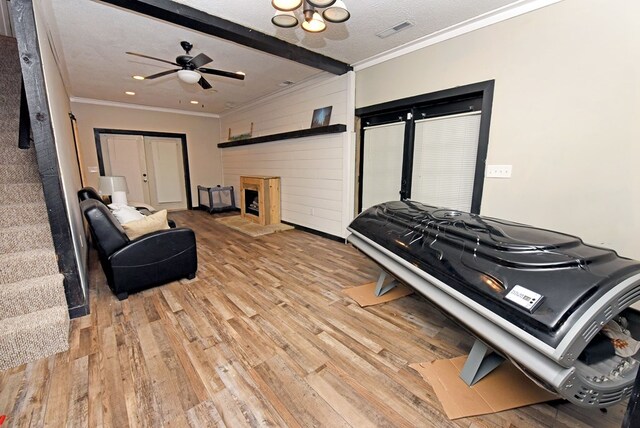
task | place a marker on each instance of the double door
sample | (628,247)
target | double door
(430,155)
(153,167)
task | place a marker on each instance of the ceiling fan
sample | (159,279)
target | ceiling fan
(191,67)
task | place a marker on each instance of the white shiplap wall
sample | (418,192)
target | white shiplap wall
(316,172)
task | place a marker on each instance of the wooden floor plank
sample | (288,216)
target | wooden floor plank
(263,336)
(307,407)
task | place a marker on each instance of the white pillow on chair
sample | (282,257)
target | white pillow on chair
(125,213)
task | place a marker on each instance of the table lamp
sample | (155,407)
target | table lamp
(116,186)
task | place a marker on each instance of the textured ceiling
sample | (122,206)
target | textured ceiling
(91,38)
(355,40)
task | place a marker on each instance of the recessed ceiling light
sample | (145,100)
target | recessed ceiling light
(138,77)
(195,102)
(130,93)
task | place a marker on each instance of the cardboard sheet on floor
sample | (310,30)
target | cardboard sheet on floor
(364,295)
(503,389)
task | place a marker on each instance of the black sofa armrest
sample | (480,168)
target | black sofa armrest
(155,247)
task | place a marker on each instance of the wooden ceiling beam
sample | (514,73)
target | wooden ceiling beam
(185,16)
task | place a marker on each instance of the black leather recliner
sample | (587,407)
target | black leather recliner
(91,193)
(133,265)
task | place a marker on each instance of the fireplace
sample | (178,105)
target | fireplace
(252,202)
(260,199)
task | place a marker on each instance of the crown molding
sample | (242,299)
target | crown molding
(140,107)
(481,21)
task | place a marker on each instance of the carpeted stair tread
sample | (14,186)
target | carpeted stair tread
(32,336)
(30,295)
(11,154)
(20,193)
(22,265)
(15,173)
(23,214)
(22,238)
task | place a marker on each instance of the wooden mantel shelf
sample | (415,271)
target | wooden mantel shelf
(331,129)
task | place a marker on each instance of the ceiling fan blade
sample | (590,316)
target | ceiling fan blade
(164,73)
(203,82)
(230,74)
(200,60)
(150,57)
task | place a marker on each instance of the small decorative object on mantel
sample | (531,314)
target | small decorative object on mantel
(241,136)
(321,117)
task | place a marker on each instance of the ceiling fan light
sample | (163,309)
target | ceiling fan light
(321,3)
(337,12)
(315,24)
(286,5)
(189,76)
(284,19)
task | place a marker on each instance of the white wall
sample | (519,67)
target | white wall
(316,172)
(65,149)
(202,137)
(5,20)
(566,113)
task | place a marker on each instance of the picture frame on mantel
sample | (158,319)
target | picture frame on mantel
(240,136)
(321,117)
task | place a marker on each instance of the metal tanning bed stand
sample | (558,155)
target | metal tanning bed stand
(482,359)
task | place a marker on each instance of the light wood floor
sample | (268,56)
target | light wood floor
(262,337)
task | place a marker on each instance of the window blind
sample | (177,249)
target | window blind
(444,160)
(382,163)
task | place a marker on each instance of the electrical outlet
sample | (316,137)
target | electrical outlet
(498,171)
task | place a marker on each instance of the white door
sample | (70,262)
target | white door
(165,173)
(124,155)
(383,147)
(153,167)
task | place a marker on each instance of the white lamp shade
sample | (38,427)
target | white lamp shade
(336,13)
(286,5)
(189,76)
(119,198)
(284,19)
(315,24)
(321,3)
(110,184)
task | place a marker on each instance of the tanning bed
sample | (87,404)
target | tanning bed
(534,296)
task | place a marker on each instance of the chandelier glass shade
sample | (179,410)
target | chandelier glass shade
(312,20)
(284,19)
(337,12)
(286,5)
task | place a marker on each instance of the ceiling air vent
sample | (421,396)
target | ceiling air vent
(395,29)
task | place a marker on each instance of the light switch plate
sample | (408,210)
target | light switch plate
(498,171)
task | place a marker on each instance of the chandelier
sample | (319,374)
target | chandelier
(314,22)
